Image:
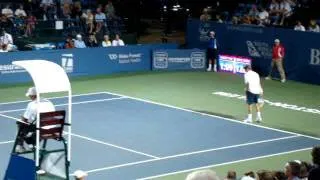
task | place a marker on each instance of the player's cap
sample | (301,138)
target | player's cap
(80,174)
(31,92)
(277,41)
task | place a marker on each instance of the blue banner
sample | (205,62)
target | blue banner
(302,60)
(179,59)
(83,62)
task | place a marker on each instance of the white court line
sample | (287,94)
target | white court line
(115,146)
(210,115)
(6,142)
(96,141)
(226,163)
(192,153)
(57,97)
(81,102)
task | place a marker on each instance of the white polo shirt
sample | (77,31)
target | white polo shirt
(117,43)
(253,80)
(33,107)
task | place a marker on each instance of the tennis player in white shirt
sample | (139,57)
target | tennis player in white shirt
(253,92)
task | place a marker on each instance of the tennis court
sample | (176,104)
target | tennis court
(122,137)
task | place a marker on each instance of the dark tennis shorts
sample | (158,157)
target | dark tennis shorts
(252,98)
(212,53)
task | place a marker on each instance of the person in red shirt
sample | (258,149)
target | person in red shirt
(277,59)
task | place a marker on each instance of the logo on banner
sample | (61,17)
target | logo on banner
(315,57)
(198,60)
(160,60)
(259,49)
(10,69)
(126,58)
(67,62)
(113,56)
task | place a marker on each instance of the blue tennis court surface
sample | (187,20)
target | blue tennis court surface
(119,137)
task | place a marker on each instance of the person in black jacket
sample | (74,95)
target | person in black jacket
(314,174)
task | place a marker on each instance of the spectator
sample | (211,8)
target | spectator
(66,11)
(218,18)
(265,175)
(314,27)
(250,173)
(247,178)
(7,11)
(274,12)
(263,16)
(31,24)
(20,12)
(69,43)
(304,170)
(292,170)
(117,41)
(280,175)
(299,27)
(314,174)
(6,40)
(76,10)
(106,42)
(235,20)
(109,10)
(3,48)
(253,13)
(89,20)
(205,15)
(277,59)
(100,20)
(80,175)
(203,175)
(79,43)
(92,41)
(285,10)
(232,175)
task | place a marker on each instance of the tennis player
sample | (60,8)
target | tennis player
(30,116)
(253,92)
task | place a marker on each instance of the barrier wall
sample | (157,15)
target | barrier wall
(170,60)
(83,62)
(302,61)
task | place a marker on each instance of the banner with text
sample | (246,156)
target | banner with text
(190,59)
(82,62)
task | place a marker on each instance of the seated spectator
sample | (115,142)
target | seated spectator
(314,27)
(263,16)
(106,42)
(274,12)
(109,10)
(6,41)
(205,15)
(285,10)
(100,18)
(279,175)
(235,20)
(250,174)
(247,178)
(3,48)
(292,170)
(66,11)
(253,13)
(299,27)
(314,174)
(78,42)
(92,41)
(265,175)
(69,43)
(117,41)
(88,18)
(304,170)
(7,11)
(203,175)
(218,18)
(20,12)
(31,25)
(232,175)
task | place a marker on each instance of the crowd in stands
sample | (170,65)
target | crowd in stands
(293,170)
(282,13)
(21,20)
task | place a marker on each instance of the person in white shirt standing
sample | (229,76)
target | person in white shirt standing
(117,41)
(253,92)
(30,115)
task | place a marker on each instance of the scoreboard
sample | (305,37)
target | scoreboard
(233,64)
